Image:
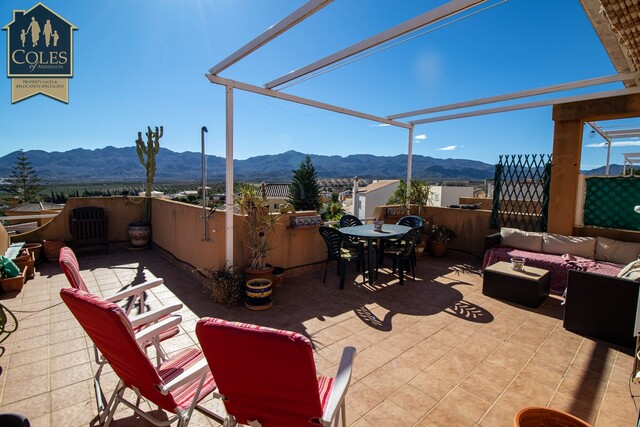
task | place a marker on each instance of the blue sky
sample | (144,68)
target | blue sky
(143,62)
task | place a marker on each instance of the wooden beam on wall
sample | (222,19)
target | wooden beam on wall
(616,107)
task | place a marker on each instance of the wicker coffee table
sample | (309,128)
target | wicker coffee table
(528,287)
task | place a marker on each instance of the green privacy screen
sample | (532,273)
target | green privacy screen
(610,201)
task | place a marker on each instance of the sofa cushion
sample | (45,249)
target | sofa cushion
(525,240)
(616,251)
(631,271)
(579,246)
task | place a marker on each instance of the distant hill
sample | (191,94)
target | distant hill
(111,164)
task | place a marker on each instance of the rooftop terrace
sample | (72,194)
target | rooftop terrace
(434,352)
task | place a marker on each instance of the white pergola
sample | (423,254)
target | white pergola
(610,135)
(275,87)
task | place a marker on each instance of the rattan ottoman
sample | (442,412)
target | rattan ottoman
(529,287)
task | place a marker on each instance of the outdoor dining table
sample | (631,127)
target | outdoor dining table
(368,232)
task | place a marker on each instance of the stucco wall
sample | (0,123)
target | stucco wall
(121,211)
(470,226)
(5,241)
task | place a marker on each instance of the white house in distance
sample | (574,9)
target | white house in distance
(449,193)
(375,194)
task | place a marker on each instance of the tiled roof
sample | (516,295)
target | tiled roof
(377,185)
(280,191)
(21,228)
(35,207)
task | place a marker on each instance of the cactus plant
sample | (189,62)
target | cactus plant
(147,151)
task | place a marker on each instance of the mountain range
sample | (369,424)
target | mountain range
(111,164)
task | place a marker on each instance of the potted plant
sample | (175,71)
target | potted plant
(253,205)
(439,237)
(140,231)
(225,284)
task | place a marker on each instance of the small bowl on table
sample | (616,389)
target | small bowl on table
(517,263)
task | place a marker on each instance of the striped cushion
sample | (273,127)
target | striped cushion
(69,264)
(177,364)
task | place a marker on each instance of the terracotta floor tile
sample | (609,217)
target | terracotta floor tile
(525,386)
(607,419)
(32,371)
(584,410)
(466,404)
(453,368)
(482,387)
(442,416)
(383,382)
(363,398)
(388,414)
(541,376)
(76,415)
(512,402)
(432,385)
(497,417)
(70,376)
(17,391)
(413,401)
(623,407)
(401,369)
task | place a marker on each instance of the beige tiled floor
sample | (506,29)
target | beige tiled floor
(435,352)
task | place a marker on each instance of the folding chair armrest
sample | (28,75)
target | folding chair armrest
(340,384)
(153,315)
(135,290)
(198,370)
(151,332)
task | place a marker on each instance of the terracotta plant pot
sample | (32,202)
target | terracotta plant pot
(265,273)
(34,248)
(278,275)
(437,249)
(535,416)
(51,249)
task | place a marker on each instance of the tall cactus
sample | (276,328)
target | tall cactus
(147,151)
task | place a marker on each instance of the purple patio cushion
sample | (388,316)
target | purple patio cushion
(558,265)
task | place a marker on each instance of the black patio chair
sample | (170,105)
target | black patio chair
(336,251)
(349,220)
(403,253)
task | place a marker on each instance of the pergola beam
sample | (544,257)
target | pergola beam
(517,95)
(305,101)
(430,17)
(294,18)
(527,105)
(606,137)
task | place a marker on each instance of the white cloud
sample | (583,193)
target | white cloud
(614,144)
(379,125)
(421,137)
(448,148)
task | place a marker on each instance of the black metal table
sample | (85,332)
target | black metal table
(368,232)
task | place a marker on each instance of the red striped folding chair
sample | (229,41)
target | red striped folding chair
(267,377)
(176,385)
(133,296)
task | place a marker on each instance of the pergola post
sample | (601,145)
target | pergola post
(229,176)
(569,121)
(409,166)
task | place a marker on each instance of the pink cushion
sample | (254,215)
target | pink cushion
(558,265)
(265,374)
